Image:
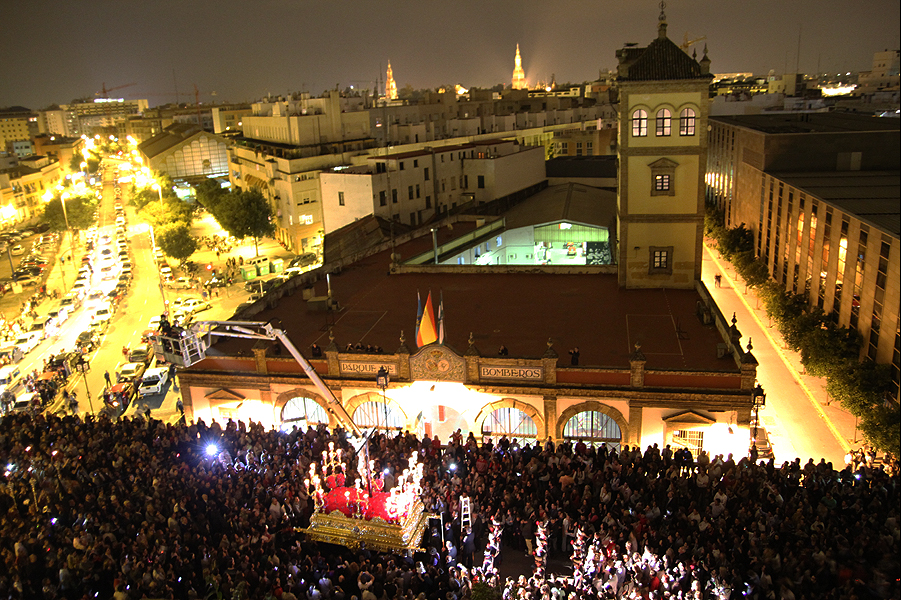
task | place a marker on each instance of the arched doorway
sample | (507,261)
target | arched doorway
(593,428)
(376,413)
(511,422)
(302,411)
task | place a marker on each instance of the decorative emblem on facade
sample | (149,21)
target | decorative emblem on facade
(437,363)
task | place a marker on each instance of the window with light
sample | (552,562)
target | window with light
(640,123)
(687,122)
(664,122)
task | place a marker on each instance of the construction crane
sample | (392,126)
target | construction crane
(104,92)
(687,43)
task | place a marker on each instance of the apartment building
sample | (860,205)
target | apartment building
(412,187)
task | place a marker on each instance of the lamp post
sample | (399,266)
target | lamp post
(758,398)
(159,190)
(84,367)
(382,379)
(162,290)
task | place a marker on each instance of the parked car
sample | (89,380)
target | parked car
(17,250)
(130,372)
(154,381)
(215,281)
(195,305)
(87,341)
(103,314)
(259,286)
(182,283)
(27,280)
(304,260)
(141,354)
(28,341)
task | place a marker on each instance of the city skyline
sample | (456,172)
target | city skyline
(280,47)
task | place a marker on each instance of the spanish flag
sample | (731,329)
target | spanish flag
(427,333)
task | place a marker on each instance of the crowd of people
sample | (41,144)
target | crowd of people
(95,508)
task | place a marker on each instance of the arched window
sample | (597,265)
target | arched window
(375,414)
(594,428)
(511,422)
(664,122)
(640,123)
(687,122)
(302,411)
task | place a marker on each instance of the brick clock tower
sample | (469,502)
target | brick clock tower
(663,105)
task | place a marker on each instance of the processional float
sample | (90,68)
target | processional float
(353,514)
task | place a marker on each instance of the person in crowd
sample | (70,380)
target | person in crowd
(96,508)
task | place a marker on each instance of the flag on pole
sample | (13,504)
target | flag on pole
(418,313)
(441,318)
(427,333)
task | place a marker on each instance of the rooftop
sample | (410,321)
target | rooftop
(873,196)
(829,122)
(519,310)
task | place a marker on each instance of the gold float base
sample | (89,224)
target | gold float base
(374,534)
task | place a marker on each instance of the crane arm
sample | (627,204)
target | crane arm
(188,349)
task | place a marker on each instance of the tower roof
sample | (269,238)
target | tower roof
(661,60)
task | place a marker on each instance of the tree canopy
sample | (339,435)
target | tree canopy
(209,194)
(79,210)
(245,214)
(176,241)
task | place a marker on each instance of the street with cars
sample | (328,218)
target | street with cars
(79,309)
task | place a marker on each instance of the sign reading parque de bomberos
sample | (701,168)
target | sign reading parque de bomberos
(366,368)
(504,372)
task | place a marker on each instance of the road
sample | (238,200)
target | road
(797,415)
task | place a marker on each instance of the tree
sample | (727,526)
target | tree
(209,194)
(826,348)
(176,241)
(881,426)
(79,210)
(244,214)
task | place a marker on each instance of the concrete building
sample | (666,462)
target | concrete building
(23,186)
(186,153)
(284,146)
(17,124)
(819,190)
(230,119)
(884,76)
(59,148)
(105,116)
(57,120)
(663,104)
(416,186)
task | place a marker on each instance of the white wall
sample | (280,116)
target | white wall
(358,198)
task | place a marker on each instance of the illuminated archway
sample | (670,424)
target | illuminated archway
(489,411)
(303,407)
(594,406)
(371,407)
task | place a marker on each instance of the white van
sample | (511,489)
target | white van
(153,381)
(260,262)
(10,378)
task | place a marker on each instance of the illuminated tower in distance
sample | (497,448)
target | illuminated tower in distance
(519,76)
(390,85)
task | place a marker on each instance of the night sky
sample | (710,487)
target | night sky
(244,50)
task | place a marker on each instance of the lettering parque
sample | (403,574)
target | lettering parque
(511,372)
(359,367)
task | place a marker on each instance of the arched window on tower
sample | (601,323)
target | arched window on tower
(664,122)
(640,123)
(687,122)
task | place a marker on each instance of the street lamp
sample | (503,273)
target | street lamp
(159,189)
(382,379)
(758,398)
(84,367)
